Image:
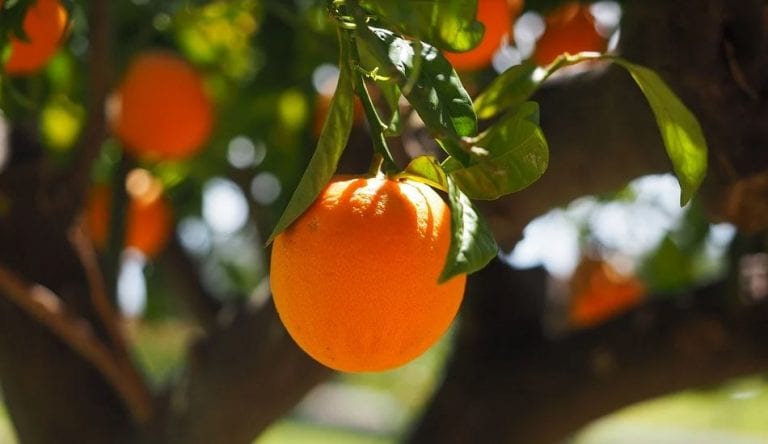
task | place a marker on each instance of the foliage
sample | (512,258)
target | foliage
(478,133)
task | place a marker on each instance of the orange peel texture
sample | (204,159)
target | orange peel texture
(354,279)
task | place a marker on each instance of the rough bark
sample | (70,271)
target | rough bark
(52,394)
(240,379)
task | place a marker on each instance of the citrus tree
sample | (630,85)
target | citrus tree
(392,152)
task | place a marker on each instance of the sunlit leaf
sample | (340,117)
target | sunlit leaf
(515,155)
(472,243)
(428,170)
(513,87)
(681,132)
(447,24)
(429,83)
(333,140)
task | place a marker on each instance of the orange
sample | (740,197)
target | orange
(160,109)
(354,279)
(570,29)
(497,16)
(599,293)
(148,216)
(44,25)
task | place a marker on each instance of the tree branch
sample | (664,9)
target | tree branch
(78,178)
(508,381)
(44,306)
(240,379)
(203,306)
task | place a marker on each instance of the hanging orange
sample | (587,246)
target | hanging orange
(498,17)
(44,25)
(570,29)
(160,109)
(355,278)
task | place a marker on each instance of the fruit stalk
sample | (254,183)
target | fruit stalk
(376,126)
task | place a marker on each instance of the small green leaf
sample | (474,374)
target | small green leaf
(472,243)
(429,83)
(426,169)
(513,87)
(333,140)
(514,155)
(447,24)
(681,132)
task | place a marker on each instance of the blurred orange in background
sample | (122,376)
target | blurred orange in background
(149,218)
(498,16)
(44,25)
(161,109)
(570,28)
(599,292)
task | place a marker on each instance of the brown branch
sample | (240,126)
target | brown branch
(98,290)
(103,307)
(78,177)
(47,308)
(241,378)
(509,381)
(190,291)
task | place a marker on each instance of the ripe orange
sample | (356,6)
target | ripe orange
(498,17)
(148,217)
(354,279)
(160,109)
(570,29)
(44,26)
(599,292)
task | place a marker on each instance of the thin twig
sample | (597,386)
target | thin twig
(47,308)
(102,304)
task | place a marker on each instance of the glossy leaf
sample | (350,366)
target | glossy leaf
(426,169)
(680,131)
(472,243)
(322,165)
(429,83)
(513,87)
(447,24)
(515,155)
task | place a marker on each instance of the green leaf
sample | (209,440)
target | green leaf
(426,169)
(447,24)
(516,155)
(429,83)
(518,83)
(681,132)
(333,140)
(513,87)
(391,93)
(472,243)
